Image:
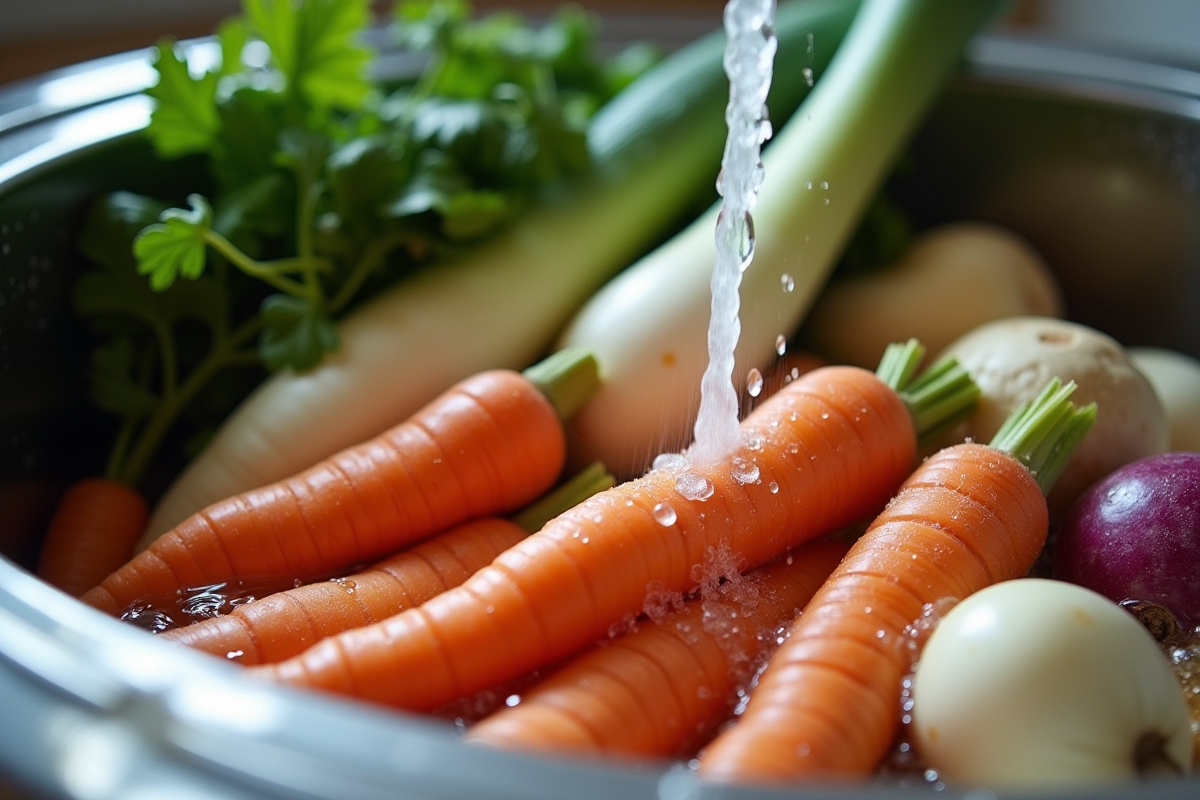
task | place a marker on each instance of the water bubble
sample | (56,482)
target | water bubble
(773,487)
(754,383)
(664,514)
(781,344)
(808,75)
(694,486)
(744,471)
(787,282)
(669,461)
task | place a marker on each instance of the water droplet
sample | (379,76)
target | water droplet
(694,486)
(787,282)
(512,700)
(825,201)
(808,75)
(825,185)
(754,443)
(669,461)
(664,514)
(808,185)
(235,654)
(744,471)
(490,609)
(747,244)
(773,487)
(781,344)
(754,383)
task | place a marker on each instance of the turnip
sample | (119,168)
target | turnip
(1012,359)
(1039,684)
(1136,534)
(971,272)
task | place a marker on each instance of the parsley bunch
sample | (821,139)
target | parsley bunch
(324,183)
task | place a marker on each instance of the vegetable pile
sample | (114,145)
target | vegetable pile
(843,596)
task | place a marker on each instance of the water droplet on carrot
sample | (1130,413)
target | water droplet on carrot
(694,486)
(664,514)
(773,487)
(744,471)
(780,344)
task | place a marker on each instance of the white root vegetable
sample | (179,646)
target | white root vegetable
(1012,359)
(648,327)
(1175,377)
(951,279)
(1043,685)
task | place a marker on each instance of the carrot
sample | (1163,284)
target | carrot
(283,624)
(826,450)
(91,533)
(664,688)
(828,702)
(488,445)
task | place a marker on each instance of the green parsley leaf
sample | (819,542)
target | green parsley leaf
(314,44)
(175,246)
(296,333)
(184,119)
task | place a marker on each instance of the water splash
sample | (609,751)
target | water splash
(749,60)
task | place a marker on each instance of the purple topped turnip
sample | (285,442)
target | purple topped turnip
(1135,534)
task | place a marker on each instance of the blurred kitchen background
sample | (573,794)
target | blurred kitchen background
(40,35)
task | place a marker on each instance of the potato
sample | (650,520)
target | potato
(952,279)
(1013,359)
(1175,377)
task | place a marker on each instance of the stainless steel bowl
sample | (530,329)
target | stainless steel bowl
(1095,159)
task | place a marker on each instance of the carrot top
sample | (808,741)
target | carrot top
(1043,433)
(936,397)
(583,484)
(567,378)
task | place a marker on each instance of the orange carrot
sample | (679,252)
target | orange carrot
(488,445)
(283,624)
(828,702)
(826,450)
(664,688)
(91,533)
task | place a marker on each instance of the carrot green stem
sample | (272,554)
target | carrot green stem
(585,483)
(568,378)
(936,397)
(1043,434)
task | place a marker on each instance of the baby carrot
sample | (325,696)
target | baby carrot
(828,702)
(91,533)
(664,688)
(828,449)
(488,445)
(283,624)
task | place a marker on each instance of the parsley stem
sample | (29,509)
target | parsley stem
(370,261)
(225,352)
(265,272)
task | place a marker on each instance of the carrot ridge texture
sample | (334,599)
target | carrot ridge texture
(828,702)
(662,689)
(488,445)
(91,533)
(284,624)
(830,449)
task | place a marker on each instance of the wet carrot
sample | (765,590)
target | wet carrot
(663,689)
(91,533)
(826,450)
(284,624)
(488,445)
(828,702)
